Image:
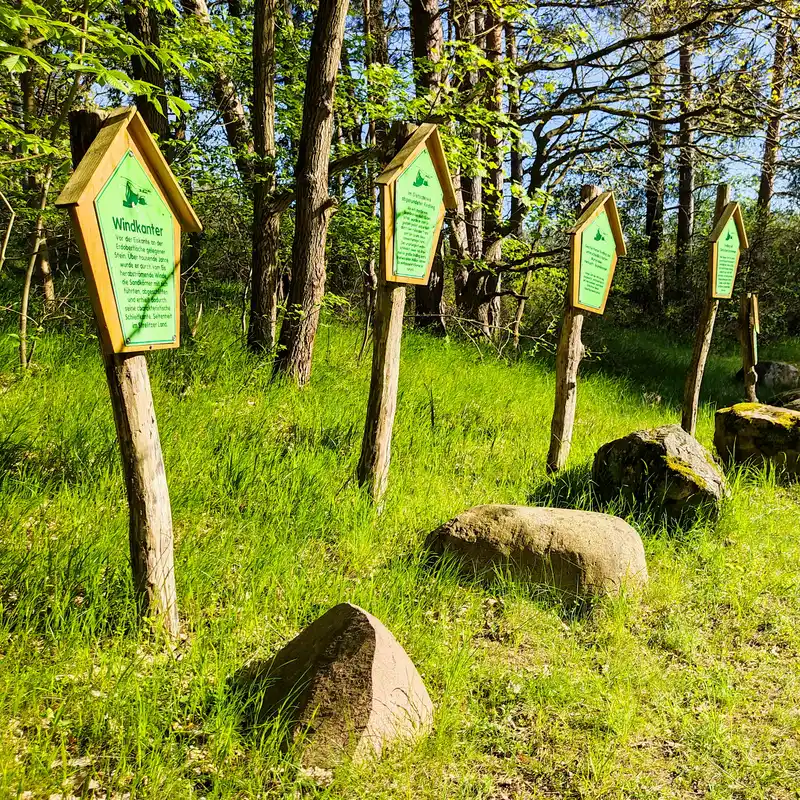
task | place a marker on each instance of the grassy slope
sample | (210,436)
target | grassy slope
(689,691)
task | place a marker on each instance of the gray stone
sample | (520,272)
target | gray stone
(582,553)
(777,376)
(757,433)
(346,687)
(663,469)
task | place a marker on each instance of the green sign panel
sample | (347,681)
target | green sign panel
(726,259)
(418,201)
(139,241)
(598,249)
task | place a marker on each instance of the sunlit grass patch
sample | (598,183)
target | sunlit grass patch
(687,689)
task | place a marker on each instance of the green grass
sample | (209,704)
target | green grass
(690,690)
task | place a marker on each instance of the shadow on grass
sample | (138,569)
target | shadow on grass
(46,464)
(572,488)
(656,365)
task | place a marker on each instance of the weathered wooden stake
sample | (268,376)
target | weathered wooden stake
(702,342)
(373,466)
(150,526)
(568,359)
(390,303)
(747,341)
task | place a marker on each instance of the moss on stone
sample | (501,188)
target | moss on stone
(682,468)
(785,417)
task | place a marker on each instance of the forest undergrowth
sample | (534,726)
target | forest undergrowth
(689,690)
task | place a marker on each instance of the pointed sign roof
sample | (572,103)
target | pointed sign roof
(426,135)
(81,188)
(605,200)
(731,210)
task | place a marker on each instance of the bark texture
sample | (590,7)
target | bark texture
(142,21)
(428,39)
(313,205)
(266,220)
(683,245)
(654,188)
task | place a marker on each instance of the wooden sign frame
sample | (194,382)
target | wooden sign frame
(425,136)
(124,130)
(607,202)
(731,210)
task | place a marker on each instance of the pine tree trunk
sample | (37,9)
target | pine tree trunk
(471,184)
(266,221)
(771,149)
(654,188)
(683,244)
(313,205)
(426,23)
(227,100)
(142,22)
(35,183)
(488,306)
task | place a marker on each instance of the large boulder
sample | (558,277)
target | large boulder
(790,400)
(756,433)
(345,686)
(777,376)
(582,553)
(663,469)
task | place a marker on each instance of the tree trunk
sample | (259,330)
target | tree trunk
(142,22)
(516,172)
(376,51)
(37,242)
(428,38)
(654,187)
(227,100)
(313,205)
(683,244)
(266,222)
(489,308)
(771,148)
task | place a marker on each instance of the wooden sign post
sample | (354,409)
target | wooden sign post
(415,190)
(127,211)
(749,328)
(596,241)
(727,239)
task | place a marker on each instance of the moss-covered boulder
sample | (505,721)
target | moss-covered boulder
(756,433)
(581,553)
(662,469)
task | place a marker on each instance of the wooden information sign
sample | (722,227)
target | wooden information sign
(416,188)
(127,211)
(596,241)
(728,239)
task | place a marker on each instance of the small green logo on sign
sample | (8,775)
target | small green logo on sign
(418,200)
(598,249)
(727,259)
(139,241)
